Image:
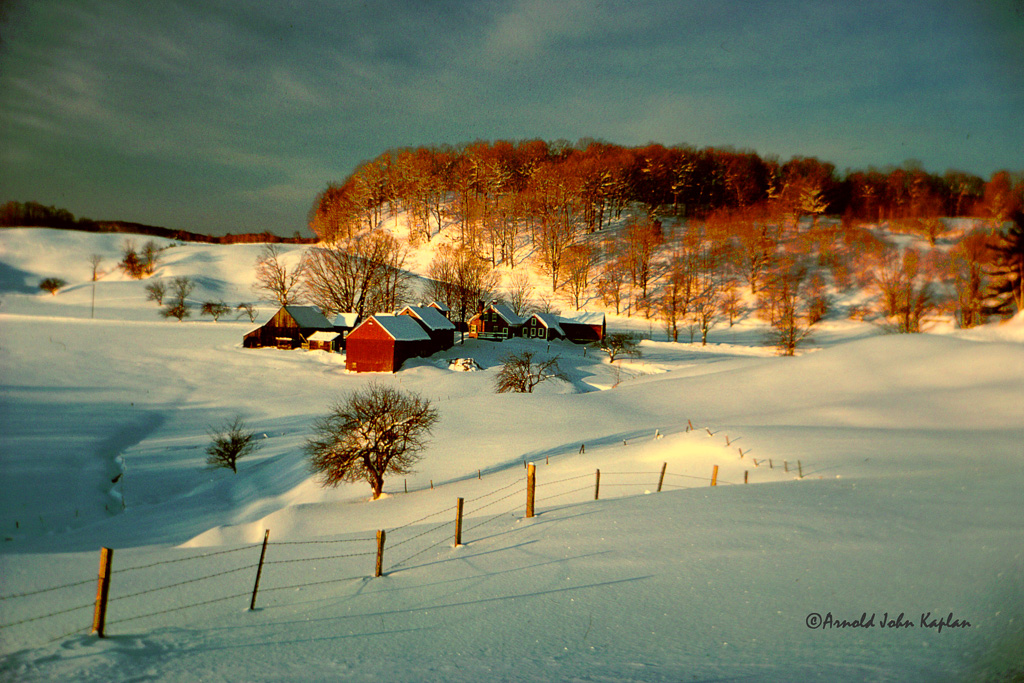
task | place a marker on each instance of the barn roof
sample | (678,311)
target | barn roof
(430,317)
(550,321)
(346,319)
(323,335)
(505,312)
(584,318)
(308,316)
(401,327)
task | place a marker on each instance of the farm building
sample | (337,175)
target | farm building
(440,328)
(323,341)
(289,328)
(543,326)
(496,322)
(343,324)
(583,327)
(381,343)
(441,308)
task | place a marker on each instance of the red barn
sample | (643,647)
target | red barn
(381,343)
(583,327)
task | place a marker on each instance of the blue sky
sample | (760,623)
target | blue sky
(231,116)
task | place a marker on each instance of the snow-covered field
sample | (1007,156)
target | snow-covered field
(911,450)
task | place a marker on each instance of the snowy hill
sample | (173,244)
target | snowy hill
(909,447)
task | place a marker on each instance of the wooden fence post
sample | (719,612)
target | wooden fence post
(785,465)
(727,440)
(597,486)
(741,452)
(714,476)
(661,479)
(745,473)
(458,522)
(379,569)
(259,570)
(99,615)
(800,468)
(771,465)
(531,485)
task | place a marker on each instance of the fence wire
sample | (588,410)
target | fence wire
(492,498)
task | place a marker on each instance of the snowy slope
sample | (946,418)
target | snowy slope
(909,446)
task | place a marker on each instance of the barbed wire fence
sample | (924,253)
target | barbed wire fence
(133,599)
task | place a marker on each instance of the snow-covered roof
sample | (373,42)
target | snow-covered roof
(584,318)
(505,312)
(400,327)
(323,335)
(439,306)
(308,316)
(346,319)
(431,317)
(550,321)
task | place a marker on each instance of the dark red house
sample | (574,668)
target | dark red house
(496,322)
(381,343)
(289,328)
(583,327)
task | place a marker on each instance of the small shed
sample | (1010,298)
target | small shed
(583,327)
(381,343)
(323,341)
(440,328)
(543,326)
(289,328)
(496,322)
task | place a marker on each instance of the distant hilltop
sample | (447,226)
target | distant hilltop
(35,215)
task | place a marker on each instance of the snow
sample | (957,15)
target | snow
(308,316)
(910,448)
(430,317)
(400,327)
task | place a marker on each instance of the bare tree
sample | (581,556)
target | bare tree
(786,288)
(364,274)
(275,279)
(215,309)
(248,310)
(230,443)
(177,306)
(377,430)
(52,284)
(156,291)
(519,293)
(460,279)
(520,374)
(579,261)
(618,344)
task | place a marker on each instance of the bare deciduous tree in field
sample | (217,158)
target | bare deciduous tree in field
(520,374)
(52,285)
(230,443)
(177,306)
(377,430)
(275,279)
(364,274)
(215,309)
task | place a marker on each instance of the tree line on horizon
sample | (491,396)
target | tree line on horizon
(492,184)
(704,232)
(14,214)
